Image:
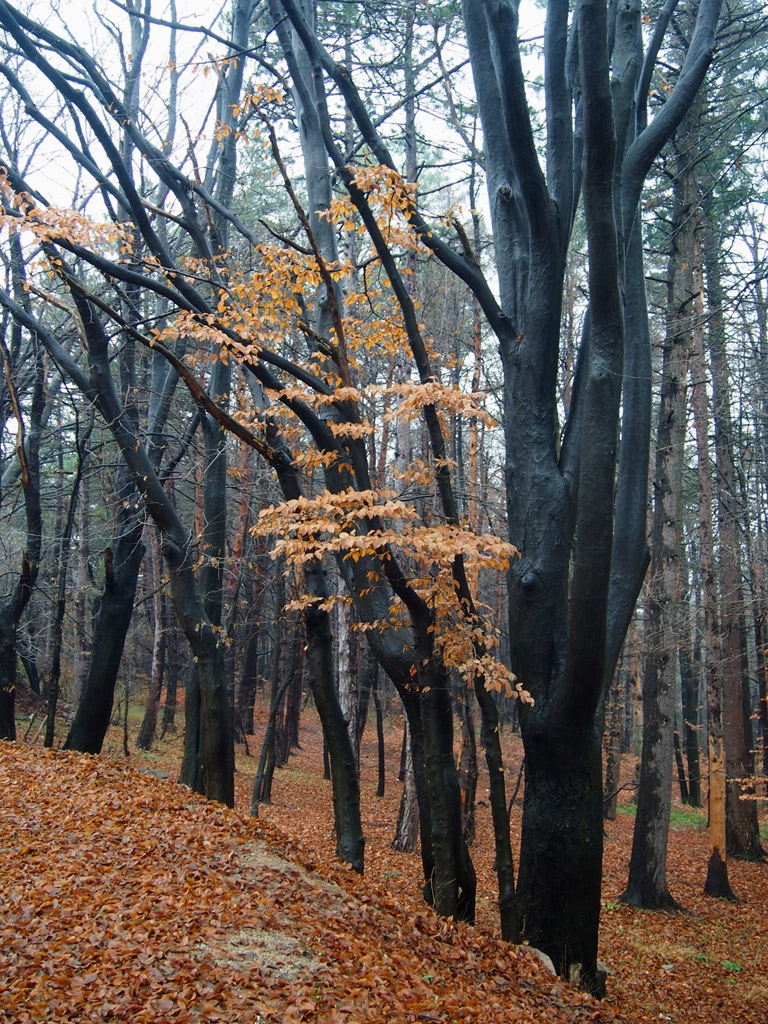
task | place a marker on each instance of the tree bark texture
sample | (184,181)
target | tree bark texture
(12,607)
(743,835)
(647,883)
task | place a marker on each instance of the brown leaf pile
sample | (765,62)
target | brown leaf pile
(125,898)
(707,965)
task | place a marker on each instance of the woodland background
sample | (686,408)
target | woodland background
(267,436)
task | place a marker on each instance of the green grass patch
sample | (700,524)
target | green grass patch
(688,817)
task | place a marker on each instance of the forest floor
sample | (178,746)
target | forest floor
(123,897)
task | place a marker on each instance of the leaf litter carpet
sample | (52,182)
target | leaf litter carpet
(124,897)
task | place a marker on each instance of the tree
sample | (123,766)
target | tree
(569,602)
(572,591)
(647,883)
(29,429)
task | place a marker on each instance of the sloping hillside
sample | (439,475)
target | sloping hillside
(126,898)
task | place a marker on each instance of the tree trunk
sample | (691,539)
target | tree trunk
(293,701)
(62,573)
(262,788)
(122,562)
(347,672)
(468,771)
(407,828)
(172,684)
(81,638)
(561,855)
(743,835)
(452,882)
(29,430)
(148,726)
(613,748)
(647,884)
(192,771)
(247,684)
(380,750)
(8,626)
(689,682)
(346,790)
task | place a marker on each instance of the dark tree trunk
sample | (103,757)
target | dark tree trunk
(761,645)
(122,563)
(8,625)
(380,758)
(468,771)
(563,816)
(505,871)
(148,727)
(346,789)
(613,748)
(262,789)
(192,771)
(293,701)
(172,684)
(28,453)
(215,712)
(262,784)
(369,672)
(453,880)
(54,675)
(247,684)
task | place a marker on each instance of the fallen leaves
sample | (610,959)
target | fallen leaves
(125,898)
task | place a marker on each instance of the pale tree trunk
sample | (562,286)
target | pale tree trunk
(716,883)
(62,572)
(348,681)
(407,829)
(742,831)
(82,590)
(690,663)
(647,882)
(757,537)
(146,736)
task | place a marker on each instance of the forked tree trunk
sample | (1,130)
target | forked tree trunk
(62,574)
(289,733)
